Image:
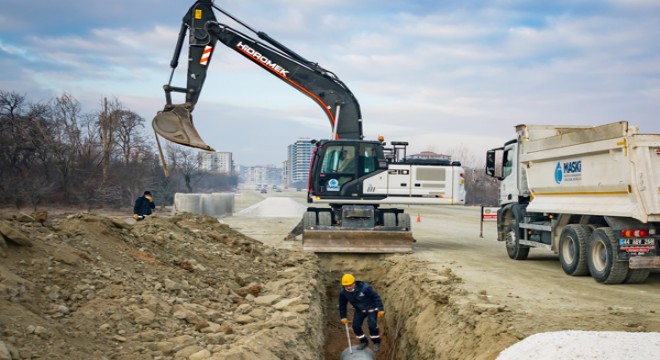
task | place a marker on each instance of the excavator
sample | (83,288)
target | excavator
(355,182)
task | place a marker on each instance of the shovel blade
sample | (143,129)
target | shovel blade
(176,125)
(357,241)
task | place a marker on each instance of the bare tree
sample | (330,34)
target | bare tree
(480,188)
(189,167)
(129,138)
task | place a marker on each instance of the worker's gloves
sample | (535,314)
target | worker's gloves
(138,217)
(344,321)
(149,198)
(381,314)
(135,217)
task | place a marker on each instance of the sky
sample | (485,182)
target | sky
(453,77)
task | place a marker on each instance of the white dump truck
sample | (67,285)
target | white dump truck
(590,194)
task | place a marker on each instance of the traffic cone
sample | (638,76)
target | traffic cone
(419,219)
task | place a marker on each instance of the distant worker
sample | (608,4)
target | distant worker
(143,206)
(367,304)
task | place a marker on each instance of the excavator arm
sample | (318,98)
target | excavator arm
(204,32)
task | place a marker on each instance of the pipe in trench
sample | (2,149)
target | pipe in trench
(365,354)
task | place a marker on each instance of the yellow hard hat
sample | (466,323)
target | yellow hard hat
(347,279)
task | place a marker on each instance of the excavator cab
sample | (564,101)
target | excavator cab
(353,222)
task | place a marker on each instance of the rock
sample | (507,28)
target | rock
(3,246)
(144,316)
(65,256)
(283,304)
(267,299)
(4,352)
(253,288)
(14,235)
(25,218)
(188,351)
(119,338)
(171,285)
(40,216)
(165,347)
(244,319)
(200,355)
(182,340)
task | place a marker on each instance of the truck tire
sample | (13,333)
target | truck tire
(513,247)
(403,220)
(601,258)
(636,276)
(389,219)
(309,219)
(325,218)
(573,249)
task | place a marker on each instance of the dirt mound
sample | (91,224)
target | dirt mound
(186,286)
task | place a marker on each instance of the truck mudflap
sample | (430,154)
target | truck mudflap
(644,262)
(357,241)
(176,125)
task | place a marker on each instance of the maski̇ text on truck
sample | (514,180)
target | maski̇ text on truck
(590,194)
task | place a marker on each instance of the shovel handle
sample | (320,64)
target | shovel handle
(348,337)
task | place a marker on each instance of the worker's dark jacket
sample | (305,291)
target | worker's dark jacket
(363,298)
(143,206)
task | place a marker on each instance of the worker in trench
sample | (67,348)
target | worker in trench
(367,305)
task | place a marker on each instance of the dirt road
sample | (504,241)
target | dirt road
(537,294)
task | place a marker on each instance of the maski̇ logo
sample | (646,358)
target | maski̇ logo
(559,174)
(371,188)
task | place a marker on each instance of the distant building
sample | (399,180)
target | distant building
(430,155)
(299,155)
(220,162)
(285,172)
(262,175)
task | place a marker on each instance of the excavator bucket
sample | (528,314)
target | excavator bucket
(176,125)
(357,241)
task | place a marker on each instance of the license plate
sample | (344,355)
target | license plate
(640,241)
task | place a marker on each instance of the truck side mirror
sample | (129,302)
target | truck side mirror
(490,163)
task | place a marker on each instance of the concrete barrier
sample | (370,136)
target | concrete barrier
(214,204)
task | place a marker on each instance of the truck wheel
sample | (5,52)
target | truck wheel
(403,221)
(325,218)
(309,220)
(389,219)
(601,258)
(513,247)
(573,249)
(636,276)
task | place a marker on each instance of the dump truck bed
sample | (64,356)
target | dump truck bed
(605,170)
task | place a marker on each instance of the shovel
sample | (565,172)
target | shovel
(348,337)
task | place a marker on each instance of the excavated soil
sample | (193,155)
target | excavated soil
(90,286)
(187,287)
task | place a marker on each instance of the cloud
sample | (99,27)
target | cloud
(423,69)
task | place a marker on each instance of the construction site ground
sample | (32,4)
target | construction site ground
(77,285)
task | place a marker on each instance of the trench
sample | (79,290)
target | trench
(427,314)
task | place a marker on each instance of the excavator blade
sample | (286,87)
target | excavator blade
(357,241)
(176,125)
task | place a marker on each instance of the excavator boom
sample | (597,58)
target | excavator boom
(175,123)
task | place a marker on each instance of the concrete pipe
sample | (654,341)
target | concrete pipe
(366,354)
